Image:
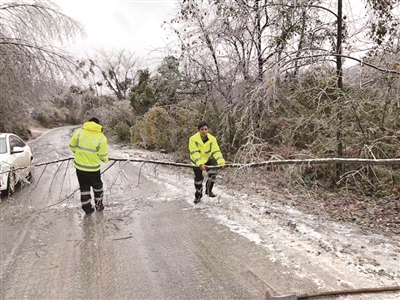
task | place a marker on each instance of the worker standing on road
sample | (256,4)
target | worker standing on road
(90,147)
(204,151)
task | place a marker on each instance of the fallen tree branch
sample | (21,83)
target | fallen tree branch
(303,162)
(317,161)
(311,161)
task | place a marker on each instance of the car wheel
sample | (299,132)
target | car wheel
(11,183)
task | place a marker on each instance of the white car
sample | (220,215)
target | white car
(16,162)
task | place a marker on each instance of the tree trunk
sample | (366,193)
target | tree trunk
(339,74)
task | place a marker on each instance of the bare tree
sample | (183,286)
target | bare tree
(114,69)
(228,42)
(31,36)
(232,45)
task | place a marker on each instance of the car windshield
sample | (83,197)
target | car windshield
(3,146)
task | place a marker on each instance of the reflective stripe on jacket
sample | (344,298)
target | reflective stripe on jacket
(90,147)
(200,152)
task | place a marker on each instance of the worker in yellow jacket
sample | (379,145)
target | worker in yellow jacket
(90,147)
(204,151)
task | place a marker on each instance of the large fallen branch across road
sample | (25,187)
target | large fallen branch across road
(249,165)
(311,161)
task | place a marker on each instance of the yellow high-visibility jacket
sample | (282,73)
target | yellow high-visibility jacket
(90,147)
(200,152)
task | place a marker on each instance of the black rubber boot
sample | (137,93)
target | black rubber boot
(99,205)
(88,208)
(209,187)
(211,194)
(197,197)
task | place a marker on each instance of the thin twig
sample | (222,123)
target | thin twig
(123,238)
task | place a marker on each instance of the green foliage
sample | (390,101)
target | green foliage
(184,119)
(167,129)
(122,131)
(153,130)
(142,95)
(157,90)
(167,81)
(169,68)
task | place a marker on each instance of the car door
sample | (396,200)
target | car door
(20,159)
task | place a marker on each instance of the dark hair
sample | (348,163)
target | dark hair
(202,124)
(94,120)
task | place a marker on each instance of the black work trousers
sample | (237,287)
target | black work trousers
(198,178)
(89,180)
